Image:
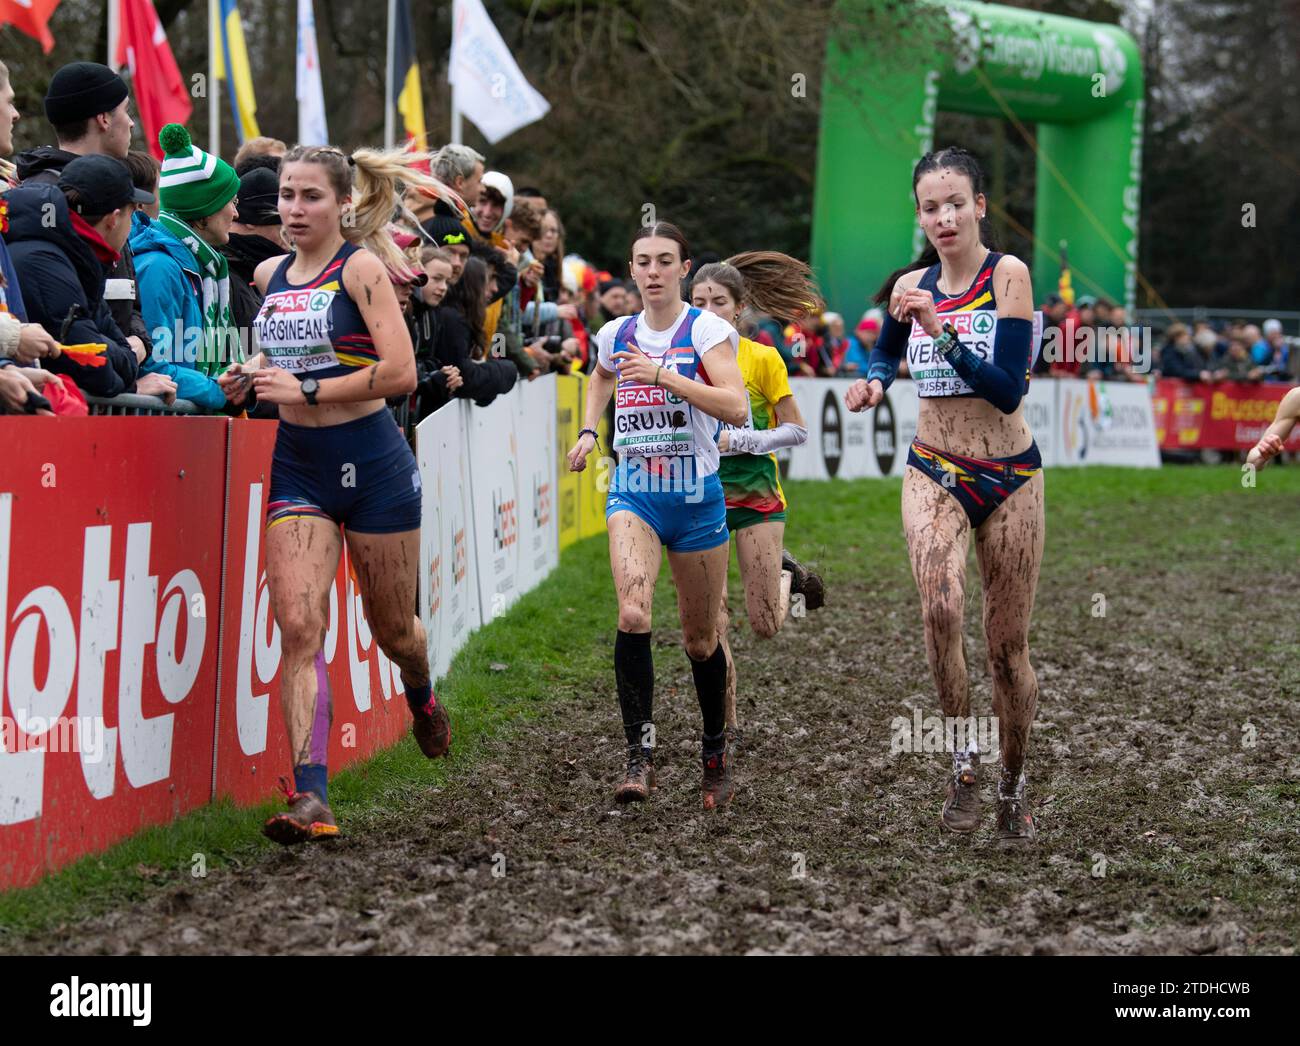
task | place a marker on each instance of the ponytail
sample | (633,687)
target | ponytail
(379,176)
(767,281)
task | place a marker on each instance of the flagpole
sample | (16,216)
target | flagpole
(455,119)
(114,14)
(389,74)
(214,107)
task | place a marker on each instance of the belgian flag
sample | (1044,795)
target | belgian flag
(406,76)
(1064,285)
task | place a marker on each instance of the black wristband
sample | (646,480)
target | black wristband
(594,435)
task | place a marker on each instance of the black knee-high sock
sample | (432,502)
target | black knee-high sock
(634,672)
(711,689)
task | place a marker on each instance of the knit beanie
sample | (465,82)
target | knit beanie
(444,230)
(193,184)
(81,90)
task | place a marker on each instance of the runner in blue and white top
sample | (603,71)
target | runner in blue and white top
(673,372)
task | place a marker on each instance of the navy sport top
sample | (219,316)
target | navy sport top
(314,330)
(979,295)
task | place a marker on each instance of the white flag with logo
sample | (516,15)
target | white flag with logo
(311,97)
(488,86)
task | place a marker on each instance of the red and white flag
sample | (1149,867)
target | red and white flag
(30,17)
(160,93)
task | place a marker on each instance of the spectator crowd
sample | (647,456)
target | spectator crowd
(119,276)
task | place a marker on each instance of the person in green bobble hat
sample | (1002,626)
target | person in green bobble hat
(184,280)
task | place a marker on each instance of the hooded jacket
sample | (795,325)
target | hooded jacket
(59,273)
(169,291)
(43,166)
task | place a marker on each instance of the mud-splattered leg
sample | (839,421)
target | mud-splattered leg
(634,557)
(701,579)
(938,536)
(1009,546)
(388,572)
(724,623)
(302,559)
(759,550)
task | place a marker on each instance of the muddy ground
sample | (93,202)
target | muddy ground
(1163,774)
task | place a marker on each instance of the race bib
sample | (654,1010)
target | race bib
(293,329)
(649,422)
(934,375)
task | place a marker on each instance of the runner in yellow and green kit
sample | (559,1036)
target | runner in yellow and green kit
(751,481)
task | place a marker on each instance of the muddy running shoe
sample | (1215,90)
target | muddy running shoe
(1015,822)
(308,820)
(805,582)
(961,808)
(639,779)
(716,788)
(432,729)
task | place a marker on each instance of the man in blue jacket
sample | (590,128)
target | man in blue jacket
(63,239)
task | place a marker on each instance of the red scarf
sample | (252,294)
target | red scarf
(103,251)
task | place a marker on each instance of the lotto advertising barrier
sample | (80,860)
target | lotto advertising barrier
(1226,416)
(1074,422)
(139,658)
(110,595)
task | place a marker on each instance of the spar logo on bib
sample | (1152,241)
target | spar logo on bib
(982,323)
(293,328)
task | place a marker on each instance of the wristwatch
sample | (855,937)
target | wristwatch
(947,342)
(310,387)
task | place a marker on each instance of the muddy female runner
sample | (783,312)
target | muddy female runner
(963,314)
(672,369)
(334,346)
(782,287)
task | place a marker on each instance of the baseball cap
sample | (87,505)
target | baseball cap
(103,183)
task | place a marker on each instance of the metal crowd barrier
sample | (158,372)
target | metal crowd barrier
(133,404)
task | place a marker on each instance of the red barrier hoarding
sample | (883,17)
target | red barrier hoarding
(370,711)
(110,583)
(1223,416)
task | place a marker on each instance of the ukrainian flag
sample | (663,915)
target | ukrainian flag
(406,75)
(239,78)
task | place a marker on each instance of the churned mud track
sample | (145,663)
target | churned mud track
(1163,770)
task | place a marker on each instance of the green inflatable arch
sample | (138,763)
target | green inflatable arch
(1080,82)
